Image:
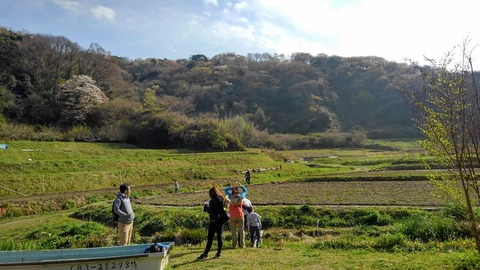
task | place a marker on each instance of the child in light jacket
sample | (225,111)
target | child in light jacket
(254,225)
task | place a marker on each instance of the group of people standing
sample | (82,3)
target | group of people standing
(241,215)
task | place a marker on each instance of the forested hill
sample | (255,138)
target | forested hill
(51,88)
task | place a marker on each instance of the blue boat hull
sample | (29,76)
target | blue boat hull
(102,258)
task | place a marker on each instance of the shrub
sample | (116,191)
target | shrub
(67,235)
(338,222)
(390,242)
(367,217)
(184,237)
(192,221)
(15,245)
(94,198)
(343,243)
(99,213)
(267,223)
(165,237)
(468,261)
(80,134)
(193,237)
(153,226)
(454,210)
(69,204)
(429,228)
(307,210)
(367,230)
(98,240)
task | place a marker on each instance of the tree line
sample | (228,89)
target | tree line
(52,89)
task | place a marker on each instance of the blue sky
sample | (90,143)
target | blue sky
(175,29)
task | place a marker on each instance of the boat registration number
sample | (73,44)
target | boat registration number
(105,266)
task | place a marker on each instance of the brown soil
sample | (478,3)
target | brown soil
(340,193)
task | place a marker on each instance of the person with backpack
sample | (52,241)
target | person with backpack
(122,207)
(236,214)
(246,207)
(217,217)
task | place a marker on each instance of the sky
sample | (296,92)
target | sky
(177,29)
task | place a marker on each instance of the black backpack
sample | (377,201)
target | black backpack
(114,215)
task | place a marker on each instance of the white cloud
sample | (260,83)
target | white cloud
(101,12)
(239,7)
(391,29)
(227,31)
(69,5)
(211,2)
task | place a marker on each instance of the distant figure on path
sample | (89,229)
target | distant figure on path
(248,176)
(123,208)
(176,186)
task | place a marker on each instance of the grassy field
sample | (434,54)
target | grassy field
(66,190)
(300,255)
(32,168)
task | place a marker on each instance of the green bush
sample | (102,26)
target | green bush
(67,235)
(192,237)
(165,237)
(153,226)
(307,210)
(430,228)
(338,222)
(343,243)
(454,210)
(69,204)
(101,213)
(390,242)
(94,198)
(367,217)
(468,261)
(267,222)
(98,240)
(184,237)
(368,230)
(15,245)
(190,221)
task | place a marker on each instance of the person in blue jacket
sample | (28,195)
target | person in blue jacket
(229,191)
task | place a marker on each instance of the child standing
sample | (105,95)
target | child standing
(254,225)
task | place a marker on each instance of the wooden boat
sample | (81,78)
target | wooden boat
(140,257)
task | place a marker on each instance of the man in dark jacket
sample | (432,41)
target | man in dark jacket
(123,208)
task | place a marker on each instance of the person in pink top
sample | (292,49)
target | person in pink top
(236,214)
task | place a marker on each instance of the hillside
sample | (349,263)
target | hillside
(59,91)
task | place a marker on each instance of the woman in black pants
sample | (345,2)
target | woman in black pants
(218,217)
